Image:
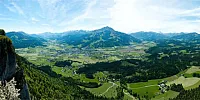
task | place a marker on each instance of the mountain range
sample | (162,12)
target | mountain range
(104,37)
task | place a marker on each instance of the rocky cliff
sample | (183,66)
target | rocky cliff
(9,68)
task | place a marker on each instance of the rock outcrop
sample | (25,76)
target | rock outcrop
(8,66)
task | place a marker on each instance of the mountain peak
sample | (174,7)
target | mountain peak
(107,28)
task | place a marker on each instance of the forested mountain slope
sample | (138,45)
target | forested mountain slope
(23,40)
(104,37)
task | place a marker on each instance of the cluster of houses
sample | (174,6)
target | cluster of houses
(163,87)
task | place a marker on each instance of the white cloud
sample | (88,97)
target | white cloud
(95,15)
(55,11)
(81,16)
(34,20)
(10,8)
(19,10)
(147,15)
(191,11)
(13,7)
(195,13)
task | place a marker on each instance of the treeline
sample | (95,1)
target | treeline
(63,63)
(177,88)
(196,75)
(193,94)
(48,70)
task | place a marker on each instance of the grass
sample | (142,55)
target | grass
(83,78)
(188,75)
(99,90)
(193,86)
(126,97)
(111,92)
(69,73)
(186,82)
(66,73)
(149,91)
(166,96)
(172,78)
(193,69)
(149,88)
(142,84)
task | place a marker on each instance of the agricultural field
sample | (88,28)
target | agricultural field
(107,90)
(193,69)
(186,82)
(149,88)
(166,96)
(126,97)
(47,55)
(186,78)
(193,86)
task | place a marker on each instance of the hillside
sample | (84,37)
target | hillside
(23,40)
(73,37)
(42,86)
(195,37)
(149,36)
(104,37)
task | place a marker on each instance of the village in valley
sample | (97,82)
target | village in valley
(66,60)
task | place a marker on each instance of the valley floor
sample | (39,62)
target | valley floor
(48,56)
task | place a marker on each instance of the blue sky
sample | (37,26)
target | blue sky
(37,16)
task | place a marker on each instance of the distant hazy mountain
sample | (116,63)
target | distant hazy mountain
(23,40)
(149,36)
(104,37)
(57,36)
(46,35)
(195,37)
(174,34)
(73,37)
